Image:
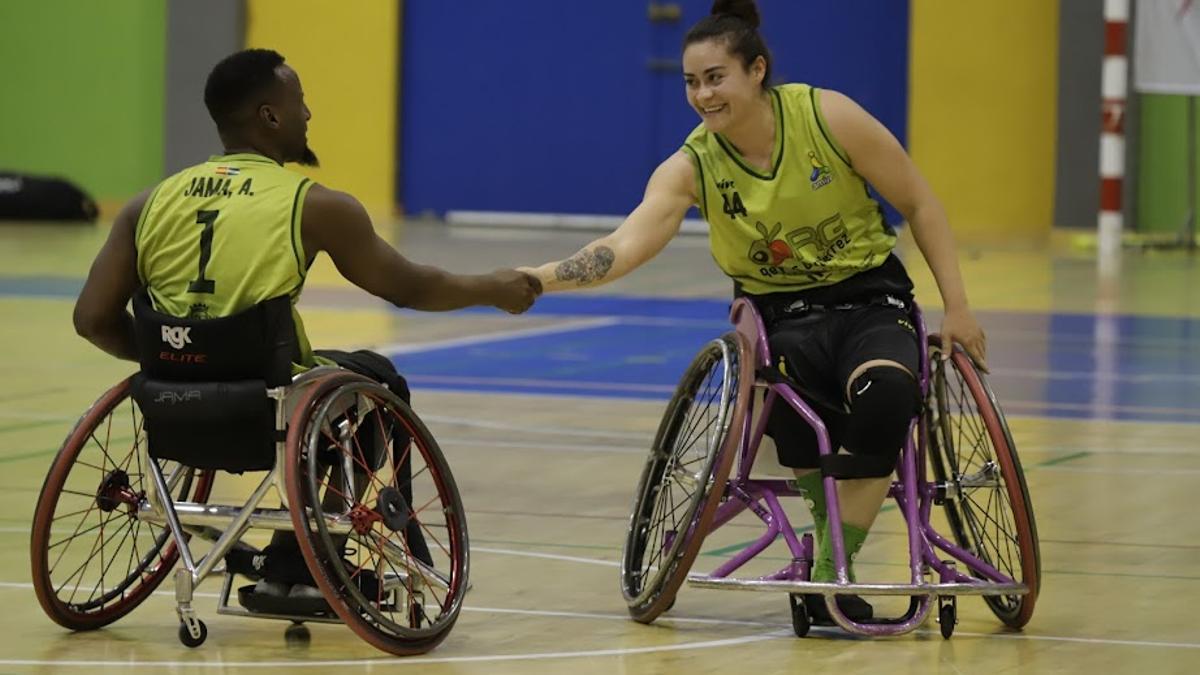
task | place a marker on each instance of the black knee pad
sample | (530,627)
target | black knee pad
(883,401)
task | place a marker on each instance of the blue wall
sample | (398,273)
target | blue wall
(566,107)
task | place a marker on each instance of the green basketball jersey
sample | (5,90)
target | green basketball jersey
(222,236)
(808,222)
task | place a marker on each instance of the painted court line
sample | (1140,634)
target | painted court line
(544,384)
(776,634)
(501,336)
(539,429)
(409,661)
(542,445)
(547,556)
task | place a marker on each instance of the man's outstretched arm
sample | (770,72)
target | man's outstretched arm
(337,223)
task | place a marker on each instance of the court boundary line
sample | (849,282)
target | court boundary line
(781,633)
(496,336)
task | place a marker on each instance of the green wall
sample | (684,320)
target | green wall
(1162,163)
(81,94)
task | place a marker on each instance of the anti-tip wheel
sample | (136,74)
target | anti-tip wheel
(800,621)
(947,617)
(189,640)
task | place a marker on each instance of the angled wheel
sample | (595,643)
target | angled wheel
(92,560)
(684,476)
(801,622)
(377,514)
(987,504)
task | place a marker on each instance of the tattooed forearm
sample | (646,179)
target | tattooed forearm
(587,266)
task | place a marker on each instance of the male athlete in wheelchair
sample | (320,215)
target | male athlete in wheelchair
(780,173)
(369,529)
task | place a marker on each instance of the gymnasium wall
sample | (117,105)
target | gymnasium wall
(199,34)
(982,112)
(566,108)
(981,98)
(346,54)
(83,92)
(1163,164)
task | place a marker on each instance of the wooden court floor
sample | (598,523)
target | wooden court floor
(1100,377)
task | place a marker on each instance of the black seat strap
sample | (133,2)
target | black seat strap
(845,467)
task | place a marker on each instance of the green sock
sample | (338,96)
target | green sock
(814,496)
(853,538)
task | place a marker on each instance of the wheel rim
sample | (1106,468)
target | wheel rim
(679,473)
(93,560)
(971,451)
(392,588)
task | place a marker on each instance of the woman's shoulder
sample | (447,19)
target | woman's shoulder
(793,87)
(699,138)
(789,91)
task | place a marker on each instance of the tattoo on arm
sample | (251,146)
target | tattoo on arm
(587,266)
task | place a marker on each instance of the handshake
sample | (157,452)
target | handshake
(513,291)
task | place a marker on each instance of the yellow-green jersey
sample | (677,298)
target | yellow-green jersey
(220,237)
(808,222)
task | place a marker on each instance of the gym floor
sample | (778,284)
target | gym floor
(546,419)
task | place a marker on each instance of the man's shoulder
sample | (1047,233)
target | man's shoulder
(324,200)
(331,217)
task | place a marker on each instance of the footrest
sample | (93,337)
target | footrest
(261,603)
(980,588)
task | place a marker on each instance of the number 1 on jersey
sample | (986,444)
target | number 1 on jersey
(202,285)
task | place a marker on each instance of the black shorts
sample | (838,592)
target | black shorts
(820,350)
(370,364)
(379,368)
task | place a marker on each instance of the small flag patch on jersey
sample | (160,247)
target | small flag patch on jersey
(227,171)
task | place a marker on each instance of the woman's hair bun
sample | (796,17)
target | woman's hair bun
(746,10)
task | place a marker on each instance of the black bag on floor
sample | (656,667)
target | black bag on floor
(25,197)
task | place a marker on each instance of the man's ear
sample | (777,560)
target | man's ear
(267,115)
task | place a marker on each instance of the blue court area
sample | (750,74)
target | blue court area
(1059,365)
(1048,364)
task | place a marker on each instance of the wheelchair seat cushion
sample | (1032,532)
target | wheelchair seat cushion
(208,425)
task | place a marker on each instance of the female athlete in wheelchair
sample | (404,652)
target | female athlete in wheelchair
(828,330)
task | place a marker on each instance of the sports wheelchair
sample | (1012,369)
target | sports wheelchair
(357,477)
(689,487)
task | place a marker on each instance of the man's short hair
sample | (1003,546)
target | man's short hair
(238,80)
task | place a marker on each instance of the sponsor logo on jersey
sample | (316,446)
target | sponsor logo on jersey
(821,174)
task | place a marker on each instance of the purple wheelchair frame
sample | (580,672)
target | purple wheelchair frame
(912,492)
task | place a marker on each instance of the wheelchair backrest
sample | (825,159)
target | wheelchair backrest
(258,343)
(202,385)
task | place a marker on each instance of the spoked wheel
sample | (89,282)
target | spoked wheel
(684,476)
(377,514)
(987,502)
(92,560)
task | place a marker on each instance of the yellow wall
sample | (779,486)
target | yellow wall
(346,55)
(984,79)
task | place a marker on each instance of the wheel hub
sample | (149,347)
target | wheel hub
(114,490)
(393,509)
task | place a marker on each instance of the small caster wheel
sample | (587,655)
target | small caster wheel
(800,620)
(190,640)
(947,616)
(297,634)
